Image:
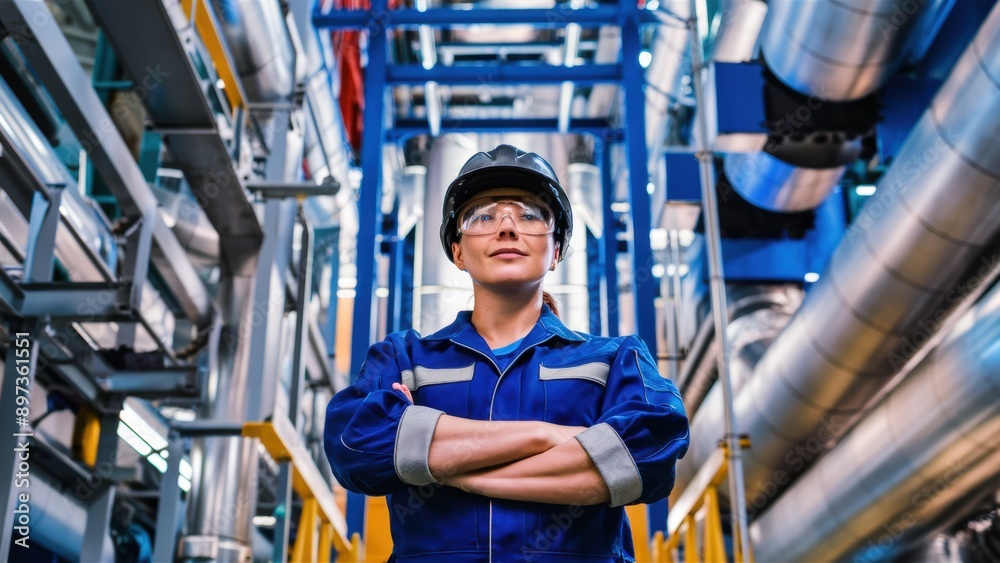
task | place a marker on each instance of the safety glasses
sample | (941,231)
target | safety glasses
(530,218)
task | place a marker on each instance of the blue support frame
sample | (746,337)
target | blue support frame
(644,284)
(560,16)
(369,229)
(599,128)
(594,271)
(504,73)
(608,249)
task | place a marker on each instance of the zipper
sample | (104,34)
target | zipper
(493,397)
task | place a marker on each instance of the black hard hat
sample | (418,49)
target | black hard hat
(506,167)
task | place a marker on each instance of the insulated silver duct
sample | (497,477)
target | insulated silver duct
(758,315)
(190,225)
(775,185)
(833,51)
(224,488)
(891,282)
(224,484)
(260,46)
(932,444)
(843,50)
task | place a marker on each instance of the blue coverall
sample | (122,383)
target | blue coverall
(378,443)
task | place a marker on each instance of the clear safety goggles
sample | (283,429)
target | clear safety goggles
(529,217)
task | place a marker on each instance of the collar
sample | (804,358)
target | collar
(548,324)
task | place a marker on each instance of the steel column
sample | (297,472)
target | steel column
(169,506)
(40,250)
(608,249)
(303,291)
(138,245)
(369,202)
(720,308)
(644,284)
(370,215)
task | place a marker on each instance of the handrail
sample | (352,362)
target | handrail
(281,441)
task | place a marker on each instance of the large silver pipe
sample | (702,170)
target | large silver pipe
(224,484)
(773,184)
(758,314)
(190,225)
(891,283)
(88,249)
(260,46)
(844,50)
(932,444)
(829,51)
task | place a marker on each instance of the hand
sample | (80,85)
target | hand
(405,390)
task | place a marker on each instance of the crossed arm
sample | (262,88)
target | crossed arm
(516,460)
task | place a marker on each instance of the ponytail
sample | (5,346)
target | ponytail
(547,299)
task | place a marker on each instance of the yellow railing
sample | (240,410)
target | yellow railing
(701,495)
(322,526)
(211,37)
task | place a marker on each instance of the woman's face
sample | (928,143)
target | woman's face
(510,256)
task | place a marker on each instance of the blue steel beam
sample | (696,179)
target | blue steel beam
(599,128)
(370,219)
(503,74)
(644,284)
(609,241)
(560,16)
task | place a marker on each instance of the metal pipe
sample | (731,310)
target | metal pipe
(260,46)
(773,184)
(891,283)
(931,444)
(832,52)
(225,468)
(757,315)
(720,311)
(840,50)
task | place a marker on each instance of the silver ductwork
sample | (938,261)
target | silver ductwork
(85,245)
(830,52)
(260,46)
(775,185)
(758,315)
(890,284)
(224,469)
(190,225)
(844,50)
(224,488)
(910,466)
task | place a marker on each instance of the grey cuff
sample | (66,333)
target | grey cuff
(614,462)
(413,444)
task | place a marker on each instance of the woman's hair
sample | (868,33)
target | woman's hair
(551,302)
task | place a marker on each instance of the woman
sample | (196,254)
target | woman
(506,436)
